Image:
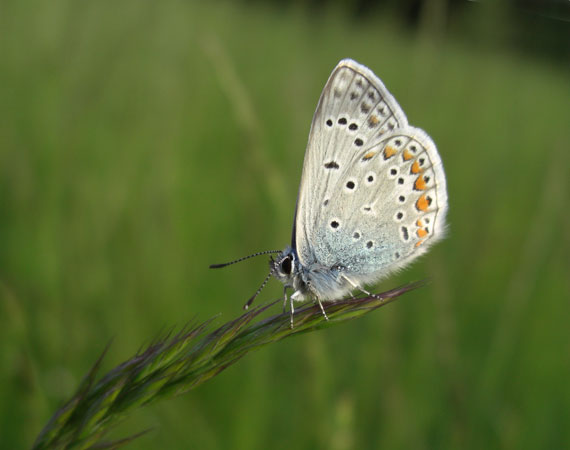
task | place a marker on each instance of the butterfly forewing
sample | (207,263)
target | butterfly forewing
(354,111)
(372,193)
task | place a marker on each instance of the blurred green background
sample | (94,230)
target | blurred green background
(141,141)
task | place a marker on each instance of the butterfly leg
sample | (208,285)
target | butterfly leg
(291,307)
(355,286)
(322,308)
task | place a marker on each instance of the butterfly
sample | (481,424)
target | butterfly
(372,196)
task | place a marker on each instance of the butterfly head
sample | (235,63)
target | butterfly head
(285,266)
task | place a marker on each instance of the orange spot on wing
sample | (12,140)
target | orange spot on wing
(389,152)
(416,167)
(422,232)
(419,243)
(420,184)
(373,120)
(419,223)
(368,156)
(422,203)
(407,155)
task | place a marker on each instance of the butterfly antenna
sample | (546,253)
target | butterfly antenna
(250,301)
(217,266)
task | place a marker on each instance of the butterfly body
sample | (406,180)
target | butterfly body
(372,196)
(314,280)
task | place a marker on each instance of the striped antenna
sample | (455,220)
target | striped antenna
(250,301)
(218,266)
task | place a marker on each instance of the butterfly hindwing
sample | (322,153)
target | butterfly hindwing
(385,209)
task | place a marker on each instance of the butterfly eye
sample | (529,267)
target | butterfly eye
(286,265)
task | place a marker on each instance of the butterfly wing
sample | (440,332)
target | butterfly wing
(372,194)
